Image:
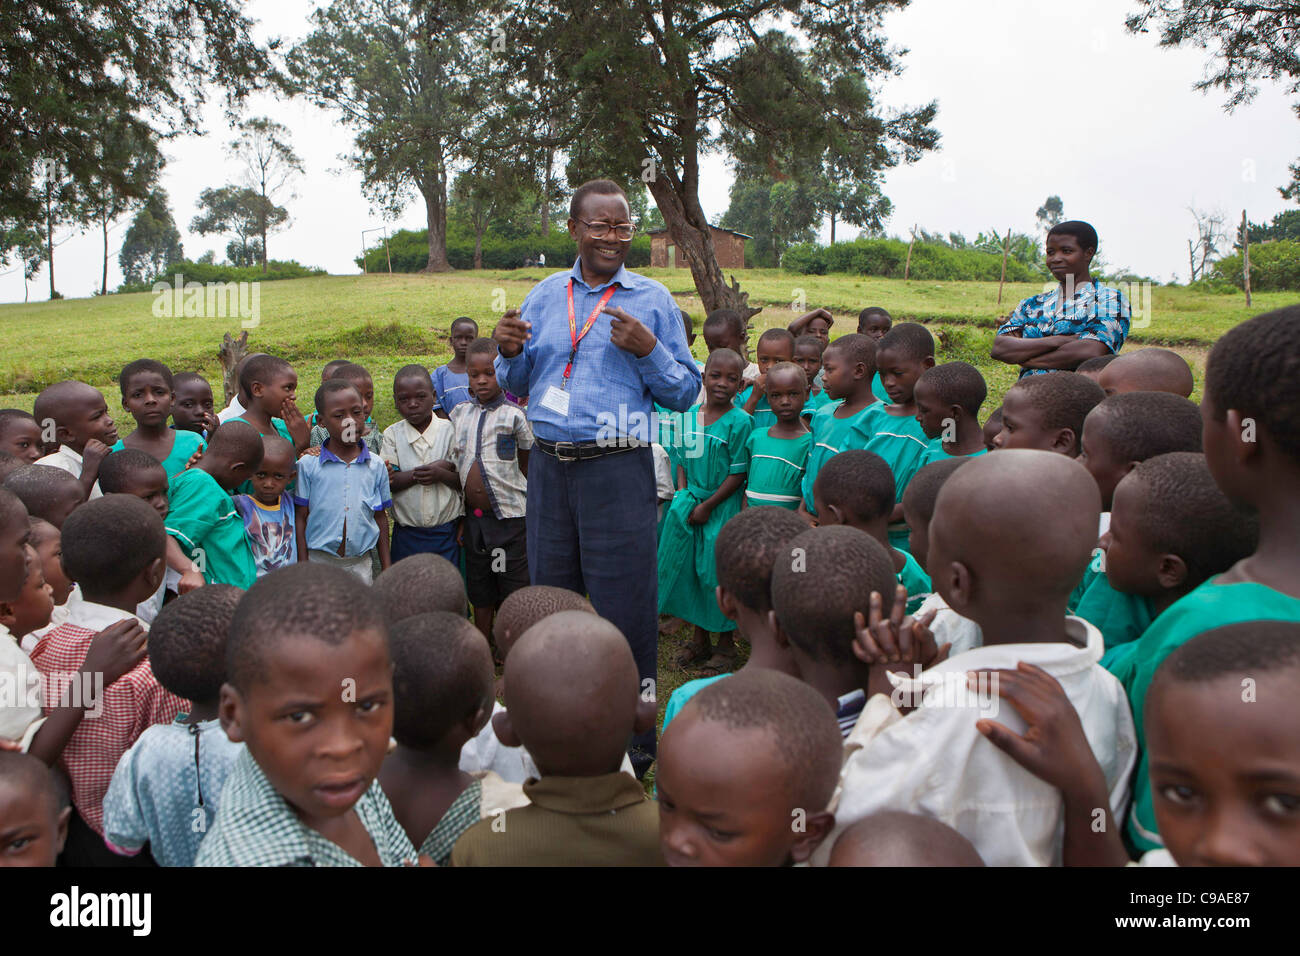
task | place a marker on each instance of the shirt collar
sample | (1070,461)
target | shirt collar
(414,433)
(600,794)
(327,455)
(96,617)
(621,277)
(495,403)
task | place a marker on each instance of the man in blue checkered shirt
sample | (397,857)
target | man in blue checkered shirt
(1078,320)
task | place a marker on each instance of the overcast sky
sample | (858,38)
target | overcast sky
(1034,99)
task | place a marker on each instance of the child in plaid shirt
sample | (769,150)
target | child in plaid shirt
(113,547)
(490,452)
(304,793)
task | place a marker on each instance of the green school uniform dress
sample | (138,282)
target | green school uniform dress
(934,452)
(763,415)
(899,440)
(1209,606)
(1120,617)
(917,582)
(776,467)
(687,572)
(830,436)
(204,520)
(183,449)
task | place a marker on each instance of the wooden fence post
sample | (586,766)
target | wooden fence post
(1245,253)
(908,268)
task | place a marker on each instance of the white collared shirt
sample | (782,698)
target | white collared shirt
(934,762)
(21,701)
(71,462)
(233,410)
(407,448)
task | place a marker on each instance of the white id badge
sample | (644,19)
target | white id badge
(557,400)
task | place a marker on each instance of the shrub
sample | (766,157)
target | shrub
(888,257)
(1274,267)
(205,272)
(409,250)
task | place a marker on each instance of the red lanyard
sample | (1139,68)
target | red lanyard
(574,335)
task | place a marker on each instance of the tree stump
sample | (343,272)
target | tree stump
(231,353)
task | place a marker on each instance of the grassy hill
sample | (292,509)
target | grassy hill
(385,322)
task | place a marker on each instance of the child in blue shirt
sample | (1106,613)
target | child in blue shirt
(166,788)
(268,513)
(451,381)
(342,493)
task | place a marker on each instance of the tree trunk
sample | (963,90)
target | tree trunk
(103,279)
(546,193)
(832,227)
(264,246)
(230,354)
(1191,262)
(689,230)
(478,245)
(434,190)
(49,243)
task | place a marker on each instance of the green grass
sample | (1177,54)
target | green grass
(385,322)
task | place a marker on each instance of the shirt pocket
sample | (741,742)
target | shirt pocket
(506,445)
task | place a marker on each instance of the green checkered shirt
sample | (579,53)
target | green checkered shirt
(465,811)
(255,826)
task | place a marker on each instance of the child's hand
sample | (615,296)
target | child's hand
(426,474)
(699,514)
(898,639)
(294,421)
(1054,747)
(190,580)
(115,650)
(460,533)
(210,422)
(94,452)
(313,451)
(194,459)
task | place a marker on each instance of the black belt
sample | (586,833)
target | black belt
(586,450)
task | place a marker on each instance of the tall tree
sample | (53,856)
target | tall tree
(668,81)
(133,150)
(269,165)
(29,249)
(152,243)
(61,204)
(1249,41)
(409,82)
(1050,213)
(483,192)
(240,210)
(1211,233)
(66,63)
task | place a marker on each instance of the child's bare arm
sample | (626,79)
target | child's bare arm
(800,325)
(299,430)
(700,513)
(177,560)
(1055,749)
(400,480)
(381,519)
(523,461)
(300,513)
(92,454)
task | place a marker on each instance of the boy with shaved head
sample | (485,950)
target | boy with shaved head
(894,838)
(572,696)
(1148,370)
(33,817)
(82,427)
(745,759)
(1010,569)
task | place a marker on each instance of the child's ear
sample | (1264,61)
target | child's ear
(1242,448)
(816,829)
(8,615)
(61,829)
(960,585)
(1066,442)
(230,710)
(505,730)
(477,719)
(782,639)
(836,513)
(646,711)
(727,603)
(156,571)
(927,362)
(1172,572)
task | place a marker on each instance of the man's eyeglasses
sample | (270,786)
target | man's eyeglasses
(623,231)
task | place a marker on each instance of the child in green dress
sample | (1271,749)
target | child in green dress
(774,345)
(891,429)
(948,399)
(874,322)
(778,453)
(147,394)
(808,356)
(1251,434)
(710,459)
(856,488)
(848,365)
